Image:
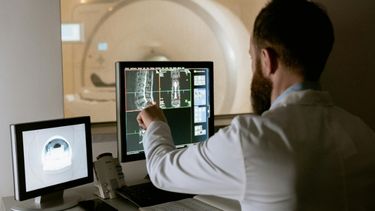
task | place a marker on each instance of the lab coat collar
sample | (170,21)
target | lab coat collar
(296,87)
(304,97)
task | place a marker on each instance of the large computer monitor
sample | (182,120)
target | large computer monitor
(184,90)
(49,157)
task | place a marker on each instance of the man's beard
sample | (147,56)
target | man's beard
(261,89)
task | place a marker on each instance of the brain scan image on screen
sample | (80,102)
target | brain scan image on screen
(57,155)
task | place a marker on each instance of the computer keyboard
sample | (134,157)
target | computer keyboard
(146,194)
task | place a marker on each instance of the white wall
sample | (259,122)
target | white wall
(30,71)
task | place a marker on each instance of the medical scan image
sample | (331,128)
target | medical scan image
(170,88)
(57,154)
(54,155)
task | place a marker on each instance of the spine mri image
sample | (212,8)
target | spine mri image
(175,94)
(170,88)
(143,90)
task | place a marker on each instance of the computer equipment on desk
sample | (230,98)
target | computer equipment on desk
(49,157)
(109,175)
(184,90)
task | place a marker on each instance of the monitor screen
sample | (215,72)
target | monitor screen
(184,90)
(51,156)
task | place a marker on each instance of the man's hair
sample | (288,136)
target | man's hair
(298,31)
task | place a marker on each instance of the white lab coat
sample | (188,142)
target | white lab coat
(303,154)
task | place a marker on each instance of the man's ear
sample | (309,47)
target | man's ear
(269,61)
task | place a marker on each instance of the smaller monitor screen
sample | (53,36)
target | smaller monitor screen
(51,155)
(184,90)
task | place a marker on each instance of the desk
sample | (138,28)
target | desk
(85,191)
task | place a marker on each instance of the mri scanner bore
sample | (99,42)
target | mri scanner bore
(174,30)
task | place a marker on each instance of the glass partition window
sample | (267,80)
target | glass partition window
(98,33)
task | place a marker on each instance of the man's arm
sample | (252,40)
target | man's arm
(213,167)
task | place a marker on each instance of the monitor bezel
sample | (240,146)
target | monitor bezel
(120,99)
(19,178)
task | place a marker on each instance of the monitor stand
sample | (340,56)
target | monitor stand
(48,202)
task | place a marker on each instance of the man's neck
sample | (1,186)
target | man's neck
(282,82)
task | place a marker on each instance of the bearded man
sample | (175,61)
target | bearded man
(298,151)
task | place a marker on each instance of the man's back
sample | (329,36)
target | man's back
(302,154)
(311,152)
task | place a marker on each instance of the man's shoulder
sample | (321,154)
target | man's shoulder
(304,98)
(254,124)
(247,120)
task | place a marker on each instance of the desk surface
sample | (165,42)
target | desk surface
(86,192)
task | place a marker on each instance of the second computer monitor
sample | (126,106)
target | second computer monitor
(48,157)
(184,90)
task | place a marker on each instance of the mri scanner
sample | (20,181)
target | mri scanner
(162,30)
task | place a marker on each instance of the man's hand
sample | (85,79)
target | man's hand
(150,114)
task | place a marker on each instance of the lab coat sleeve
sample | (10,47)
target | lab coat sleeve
(211,167)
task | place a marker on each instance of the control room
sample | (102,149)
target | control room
(121,73)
